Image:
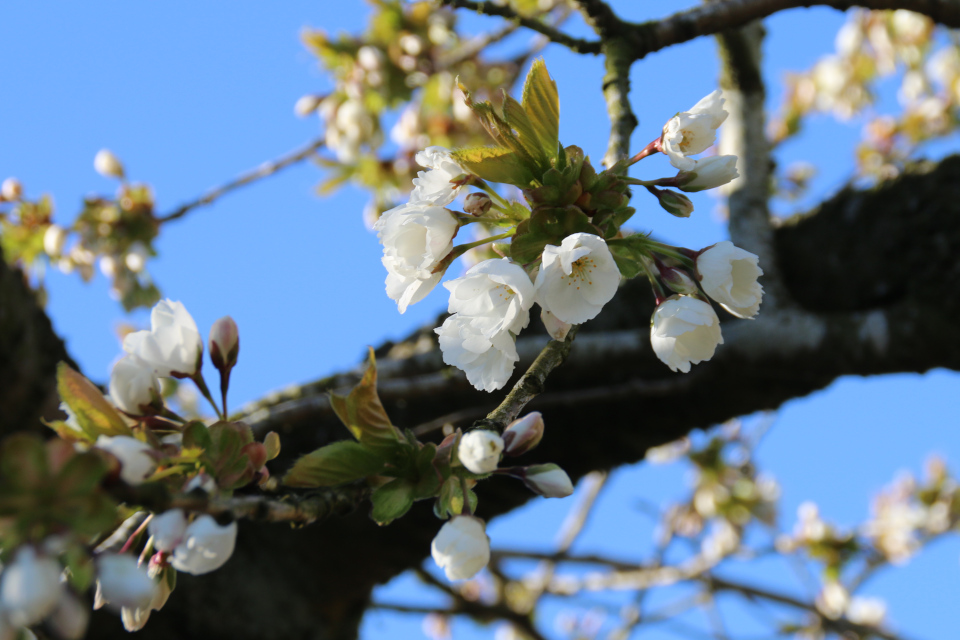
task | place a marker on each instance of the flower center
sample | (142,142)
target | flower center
(581,271)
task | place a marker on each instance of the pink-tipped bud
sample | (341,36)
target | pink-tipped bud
(11,190)
(523,435)
(107,164)
(678,281)
(224,343)
(477,204)
(548,480)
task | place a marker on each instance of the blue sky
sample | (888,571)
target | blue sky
(189,95)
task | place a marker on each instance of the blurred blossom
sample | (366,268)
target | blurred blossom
(833,600)
(868,611)
(668,452)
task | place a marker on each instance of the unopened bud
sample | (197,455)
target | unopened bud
(53,240)
(477,204)
(11,190)
(307,105)
(548,480)
(107,164)
(557,328)
(224,343)
(523,435)
(370,58)
(676,204)
(678,281)
(708,173)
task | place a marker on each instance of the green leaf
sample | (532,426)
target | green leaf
(518,119)
(196,436)
(96,416)
(81,474)
(547,226)
(541,103)
(626,260)
(336,463)
(495,164)
(391,501)
(363,413)
(429,477)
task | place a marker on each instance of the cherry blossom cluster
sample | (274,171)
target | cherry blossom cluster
(571,277)
(462,548)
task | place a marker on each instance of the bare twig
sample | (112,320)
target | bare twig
(489,8)
(263,171)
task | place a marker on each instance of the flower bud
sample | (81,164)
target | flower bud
(53,240)
(306,105)
(708,173)
(477,204)
(479,450)
(30,588)
(11,190)
(121,582)
(107,164)
(557,328)
(206,546)
(548,480)
(462,547)
(678,281)
(136,463)
(224,343)
(676,204)
(523,435)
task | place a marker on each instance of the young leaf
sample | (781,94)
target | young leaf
(391,501)
(336,463)
(495,164)
(542,106)
(363,414)
(547,226)
(96,416)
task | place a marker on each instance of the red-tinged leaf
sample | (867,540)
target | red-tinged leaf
(363,413)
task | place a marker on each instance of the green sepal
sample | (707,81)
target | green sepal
(547,226)
(96,416)
(363,413)
(334,464)
(391,501)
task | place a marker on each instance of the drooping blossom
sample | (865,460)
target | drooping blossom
(577,278)
(684,331)
(122,582)
(172,346)
(462,547)
(479,450)
(488,362)
(167,529)
(435,186)
(709,173)
(136,463)
(70,617)
(694,131)
(133,385)
(495,294)
(29,588)
(205,547)
(729,275)
(415,238)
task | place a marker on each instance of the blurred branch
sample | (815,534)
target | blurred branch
(486,7)
(265,170)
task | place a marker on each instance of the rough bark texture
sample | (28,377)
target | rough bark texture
(874,284)
(29,353)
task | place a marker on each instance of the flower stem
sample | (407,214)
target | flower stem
(466,510)
(649,150)
(202,386)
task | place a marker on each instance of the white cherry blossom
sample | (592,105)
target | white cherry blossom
(136,464)
(461,548)
(729,274)
(710,173)
(577,278)
(488,362)
(206,546)
(173,345)
(479,450)
(495,294)
(435,186)
(133,384)
(29,588)
(167,529)
(122,582)
(70,618)
(692,132)
(684,331)
(415,237)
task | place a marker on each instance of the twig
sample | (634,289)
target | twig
(531,384)
(489,8)
(714,17)
(601,18)
(263,171)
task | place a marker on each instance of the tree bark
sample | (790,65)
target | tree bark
(874,287)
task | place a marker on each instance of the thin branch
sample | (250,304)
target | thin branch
(715,17)
(263,171)
(486,7)
(293,508)
(532,383)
